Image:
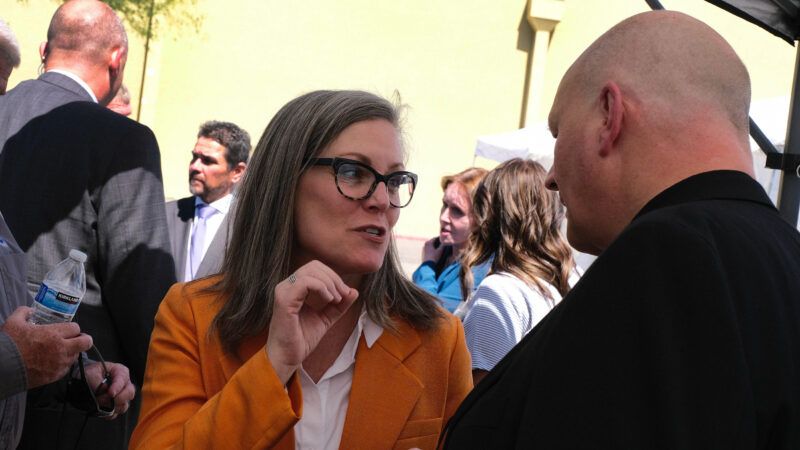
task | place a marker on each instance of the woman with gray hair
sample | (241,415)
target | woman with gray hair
(311,337)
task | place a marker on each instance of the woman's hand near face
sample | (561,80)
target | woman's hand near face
(431,251)
(304,310)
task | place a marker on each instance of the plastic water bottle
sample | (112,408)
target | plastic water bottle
(61,291)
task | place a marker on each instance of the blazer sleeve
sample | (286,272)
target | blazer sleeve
(13,379)
(253,409)
(134,256)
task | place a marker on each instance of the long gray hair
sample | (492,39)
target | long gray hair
(260,250)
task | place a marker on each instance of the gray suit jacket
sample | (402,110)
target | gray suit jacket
(180,216)
(13,379)
(74,174)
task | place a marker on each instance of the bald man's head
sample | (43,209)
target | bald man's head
(87,39)
(672,61)
(656,99)
(87,29)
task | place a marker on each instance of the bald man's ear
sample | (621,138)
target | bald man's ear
(612,110)
(43,51)
(116,59)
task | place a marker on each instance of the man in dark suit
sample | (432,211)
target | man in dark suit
(74,174)
(685,332)
(199,225)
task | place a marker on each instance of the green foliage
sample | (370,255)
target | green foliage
(137,14)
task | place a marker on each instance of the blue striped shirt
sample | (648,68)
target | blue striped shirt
(500,313)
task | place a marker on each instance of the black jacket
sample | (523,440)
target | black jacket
(684,334)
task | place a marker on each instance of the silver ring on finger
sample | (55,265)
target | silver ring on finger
(292,278)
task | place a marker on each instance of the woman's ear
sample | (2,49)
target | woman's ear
(612,109)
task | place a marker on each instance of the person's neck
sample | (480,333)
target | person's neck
(211,199)
(99,85)
(331,345)
(354,281)
(455,254)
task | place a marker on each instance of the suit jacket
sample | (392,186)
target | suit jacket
(683,334)
(74,174)
(180,216)
(13,378)
(196,396)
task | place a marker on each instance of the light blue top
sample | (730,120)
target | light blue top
(447,285)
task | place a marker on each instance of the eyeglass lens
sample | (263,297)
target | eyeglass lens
(355,181)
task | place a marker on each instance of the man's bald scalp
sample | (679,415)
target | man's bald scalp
(87,27)
(671,60)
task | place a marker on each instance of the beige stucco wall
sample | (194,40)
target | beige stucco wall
(459,66)
(769,59)
(456,65)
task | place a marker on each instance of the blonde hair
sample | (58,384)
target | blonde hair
(517,228)
(469,178)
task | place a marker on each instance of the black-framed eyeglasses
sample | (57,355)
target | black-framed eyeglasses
(83,396)
(357,181)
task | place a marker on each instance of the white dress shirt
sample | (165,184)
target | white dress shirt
(325,402)
(222,206)
(76,79)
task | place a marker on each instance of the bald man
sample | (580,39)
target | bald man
(74,174)
(685,332)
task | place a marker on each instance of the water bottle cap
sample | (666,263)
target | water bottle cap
(77,255)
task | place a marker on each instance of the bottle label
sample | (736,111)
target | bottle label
(57,301)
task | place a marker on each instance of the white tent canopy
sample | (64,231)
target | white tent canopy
(537,143)
(534,142)
(772,116)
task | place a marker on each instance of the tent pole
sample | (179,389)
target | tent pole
(655,5)
(789,195)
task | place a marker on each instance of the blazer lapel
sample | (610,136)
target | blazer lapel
(383,394)
(384,391)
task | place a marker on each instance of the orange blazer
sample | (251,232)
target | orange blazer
(195,396)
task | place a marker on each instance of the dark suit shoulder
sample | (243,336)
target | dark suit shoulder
(100,116)
(724,224)
(182,208)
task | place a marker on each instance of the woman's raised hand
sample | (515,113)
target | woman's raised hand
(306,305)
(432,250)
